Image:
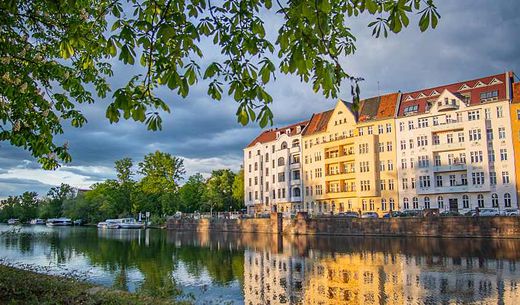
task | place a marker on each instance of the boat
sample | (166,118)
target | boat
(38,221)
(121,223)
(59,222)
(13,221)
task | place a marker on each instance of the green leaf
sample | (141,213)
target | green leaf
(66,50)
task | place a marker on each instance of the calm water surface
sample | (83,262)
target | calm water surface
(266,269)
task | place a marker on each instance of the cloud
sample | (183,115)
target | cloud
(474,38)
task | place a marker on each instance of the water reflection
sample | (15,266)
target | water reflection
(269,269)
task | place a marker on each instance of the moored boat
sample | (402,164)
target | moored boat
(59,222)
(37,221)
(13,221)
(121,223)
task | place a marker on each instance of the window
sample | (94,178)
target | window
(281,161)
(383,204)
(249,167)
(422,141)
(503,154)
(380,129)
(489,95)
(437,160)
(296,192)
(436,139)
(405,203)
(381,147)
(401,126)
(410,125)
(403,163)
(462,158)
(403,144)
(281,177)
(501,133)
(405,183)
(487,113)
(473,115)
(423,123)
(440,202)
(363,148)
(382,185)
(450,159)
(480,200)
(411,143)
(296,175)
(388,128)
(507,200)
(438,181)
(256,195)
(493,178)
(360,131)
(424,181)
(250,195)
(452,180)
(411,109)
(424,161)
(491,155)
(389,146)
(392,204)
(370,130)
(489,134)
(415,202)
(364,167)
(465,201)
(461,137)
(256,180)
(426,202)
(382,166)
(390,165)
(475,135)
(500,113)
(505,177)
(494,200)
(476,156)
(412,182)
(391,185)
(449,138)
(284,145)
(435,120)
(477,178)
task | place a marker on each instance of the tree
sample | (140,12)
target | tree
(124,170)
(53,206)
(238,188)
(191,194)
(126,184)
(161,172)
(219,191)
(56,54)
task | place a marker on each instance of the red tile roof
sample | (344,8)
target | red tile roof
(377,108)
(318,122)
(516,92)
(474,87)
(270,135)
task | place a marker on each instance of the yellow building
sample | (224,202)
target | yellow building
(515,131)
(350,156)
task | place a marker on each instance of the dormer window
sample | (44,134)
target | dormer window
(277,134)
(288,131)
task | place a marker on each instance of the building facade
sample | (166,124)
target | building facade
(272,170)
(454,147)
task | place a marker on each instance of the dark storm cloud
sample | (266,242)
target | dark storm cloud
(473,39)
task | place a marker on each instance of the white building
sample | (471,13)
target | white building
(272,171)
(455,150)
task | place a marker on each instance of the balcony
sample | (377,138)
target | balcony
(341,176)
(448,126)
(448,106)
(450,168)
(448,146)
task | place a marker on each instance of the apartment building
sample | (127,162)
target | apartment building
(349,158)
(272,170)
(454,146)
(515,128)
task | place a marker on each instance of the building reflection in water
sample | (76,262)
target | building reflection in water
(384,275)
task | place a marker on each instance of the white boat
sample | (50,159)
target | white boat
(58,222)
(121,223)
(13,221)
(38,221)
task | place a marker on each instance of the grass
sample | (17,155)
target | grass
(19,286)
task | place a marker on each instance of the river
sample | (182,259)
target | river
(269,269)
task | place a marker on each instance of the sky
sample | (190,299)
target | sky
(474,38)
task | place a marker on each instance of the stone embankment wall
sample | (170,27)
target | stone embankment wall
(499,227)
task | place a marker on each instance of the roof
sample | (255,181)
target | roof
(379,107)
(318,122)
(472,87)
(270,135)
(516,92)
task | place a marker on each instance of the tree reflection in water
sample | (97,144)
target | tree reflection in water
(270,269)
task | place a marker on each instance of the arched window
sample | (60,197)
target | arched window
(281,161)
(465,201)
(440,202)
(296,192)
(426,202)
(284,145)
(480,200)
(383,204)
(415,203)
(405,203)
(392,204)
(494,200)
(507,200)
(295,143)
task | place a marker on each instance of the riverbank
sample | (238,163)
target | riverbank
(19,286)
(452,227)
